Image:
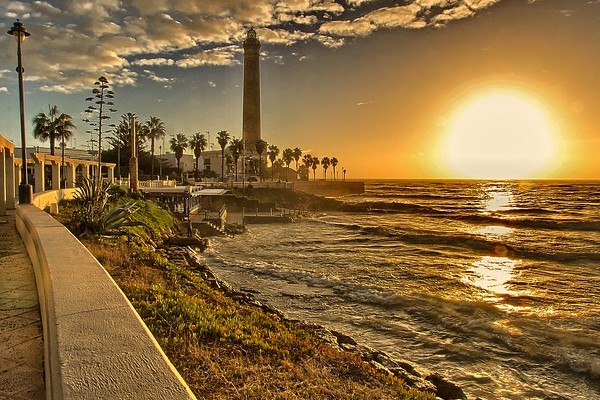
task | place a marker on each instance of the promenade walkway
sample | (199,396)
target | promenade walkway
(21,343)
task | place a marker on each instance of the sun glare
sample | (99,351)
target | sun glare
(500,135)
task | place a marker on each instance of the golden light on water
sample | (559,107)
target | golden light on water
(500,134)
(492,274)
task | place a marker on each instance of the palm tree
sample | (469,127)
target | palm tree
(334,163)
(297,155)
(154,129)
(307,161)
(44,126)
(325,163)
(261,146)
(64,128)
(198,143)
(315,163)
(287,156)
(272,152)
(222,139)
(178,144)
(236,147)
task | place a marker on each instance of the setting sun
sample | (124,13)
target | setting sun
(500,134)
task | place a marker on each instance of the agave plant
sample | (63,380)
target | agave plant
(92,215)
(117,218)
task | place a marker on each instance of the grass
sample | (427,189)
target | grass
(225,349)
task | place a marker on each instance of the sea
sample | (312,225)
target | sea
(493,284)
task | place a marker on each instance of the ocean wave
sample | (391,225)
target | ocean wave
(585,226)
(476,244)
(417,196)
(384,206)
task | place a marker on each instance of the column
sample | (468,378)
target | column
(111,174)
(11,182)
(38,176)
(70,175)
(2,181)
(55,176)
(85,170)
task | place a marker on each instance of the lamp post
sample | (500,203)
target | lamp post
(25,190)
(160,163)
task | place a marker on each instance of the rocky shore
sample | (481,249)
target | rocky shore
(184,252)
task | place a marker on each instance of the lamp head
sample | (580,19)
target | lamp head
(19,31)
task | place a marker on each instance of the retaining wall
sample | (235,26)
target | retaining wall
(96,346)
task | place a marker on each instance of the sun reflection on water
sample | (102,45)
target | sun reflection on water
(494,230)
(492,274)
(496,197)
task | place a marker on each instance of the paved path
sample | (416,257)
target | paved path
(21,343)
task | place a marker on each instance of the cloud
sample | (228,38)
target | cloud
(3,89)
(357,27)
(161,61)
(153,77)
(224,56)
(75,41)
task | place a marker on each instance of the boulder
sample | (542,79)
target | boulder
(446,389)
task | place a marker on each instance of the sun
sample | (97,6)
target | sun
(500,134)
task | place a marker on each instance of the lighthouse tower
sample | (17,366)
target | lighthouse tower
(251,110)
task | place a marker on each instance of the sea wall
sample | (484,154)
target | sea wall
(95,344)
(330,188)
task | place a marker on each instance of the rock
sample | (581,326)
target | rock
(446,389)
(343,338)
(182,241)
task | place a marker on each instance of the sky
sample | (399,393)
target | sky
(383,86)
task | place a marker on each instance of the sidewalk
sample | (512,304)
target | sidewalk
(21,343)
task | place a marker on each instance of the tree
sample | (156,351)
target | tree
(261,146)
(278,165)
(297,155)
(272,152)
(45,126)
(153,129)
(307,161)
(334,163)
(236,147)
(287,156)
(314,164)
(198,143)
(122,135)
(101,105)
(325,163)
(223,139)
(178,144)
(64,127)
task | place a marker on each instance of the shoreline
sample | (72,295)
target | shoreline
(432,382)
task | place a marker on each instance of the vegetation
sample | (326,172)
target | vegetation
(325,163)
(287,157)
(334,163)
(52,126)
(272,152)
(101,105)
(222,139)
(154,129)
(236,147)
(314,164)
(261,146)
(178,144)
(198,143)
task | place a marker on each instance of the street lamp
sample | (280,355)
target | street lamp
(160,164)
(25,190)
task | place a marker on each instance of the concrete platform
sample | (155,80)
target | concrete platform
(21,342)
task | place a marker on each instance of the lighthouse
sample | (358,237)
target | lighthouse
(251,106)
